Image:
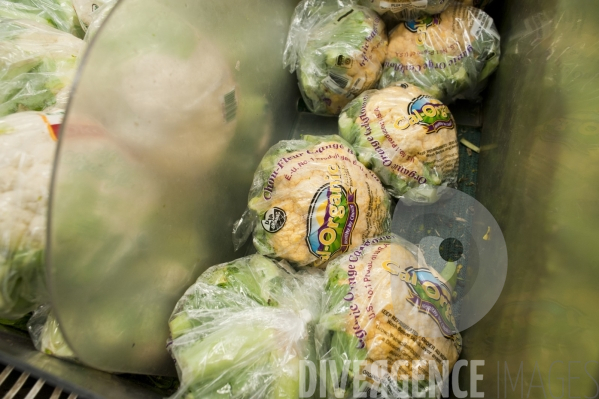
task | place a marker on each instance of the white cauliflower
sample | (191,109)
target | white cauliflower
(407,137)
(449,54)
(384,306)
(339,55)
(37,66)
(27,146)
(313,201)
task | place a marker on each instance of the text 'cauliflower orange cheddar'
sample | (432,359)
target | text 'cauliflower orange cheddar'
(407,137)
(312,200)
(388,318)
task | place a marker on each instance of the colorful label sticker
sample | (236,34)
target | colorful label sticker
(332,217)
(53,123)
(274,219)
(420,25)
(428,112)
(431,296)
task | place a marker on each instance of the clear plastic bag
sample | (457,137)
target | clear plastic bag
(474,3)
(311,200)
(37,66)
(387,317)
(338,50)
(405,10)
(46,334)
(242,330)
(450,55)
(87,8)
(59,14)
(407,137)
(27,147)
(97,18)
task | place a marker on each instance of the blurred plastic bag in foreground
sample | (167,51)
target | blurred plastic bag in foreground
(405,10)
(27,147)
(450,55)
(37,66)
(242,330)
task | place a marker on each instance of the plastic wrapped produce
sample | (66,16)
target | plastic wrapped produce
(37,66)
(87,8)
(97,18)
(27,146)
(407,137)
(242,329)
(450,55)
(46,335)
(59,14)
(474,3)
(387,319)
(405,10)
(311,200)
(338,52)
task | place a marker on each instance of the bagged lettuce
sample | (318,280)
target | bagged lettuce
(311,200)
(27,147)
(37,66)
(59,14)
(387,318)
(405,10)
(407,137)
(450,55)
(338,52)
(242,330)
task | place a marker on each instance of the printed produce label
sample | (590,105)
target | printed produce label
(428,112)
(332,217)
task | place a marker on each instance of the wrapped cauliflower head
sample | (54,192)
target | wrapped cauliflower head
(27,147)
(404,10)
(242,329)
(407,137)
(449,54)
(311,200)
(338,54)
(386,319)
(37,66)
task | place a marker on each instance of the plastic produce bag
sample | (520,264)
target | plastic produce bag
(405,10)
(242,329)
(46,335)
(37,66)
(311,200)
(97,18)
(27,147)
(87,8)
(338,52)
(474,3)
(386,315)
(59,14)
(450,55)
(407,137)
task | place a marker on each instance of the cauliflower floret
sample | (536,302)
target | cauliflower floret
(27,146)
(378,292)
(314,201)
(407,137)
(343,56)
(448,54)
